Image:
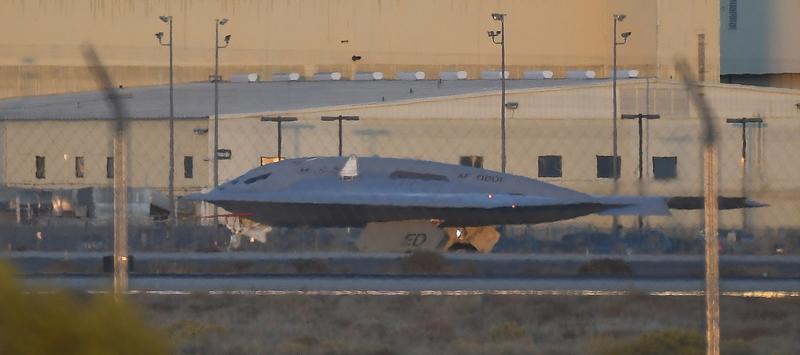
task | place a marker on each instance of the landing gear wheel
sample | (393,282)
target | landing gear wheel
(462,247)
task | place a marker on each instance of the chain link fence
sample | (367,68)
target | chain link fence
(57,173)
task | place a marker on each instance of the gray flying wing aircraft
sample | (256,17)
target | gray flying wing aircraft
(356,192)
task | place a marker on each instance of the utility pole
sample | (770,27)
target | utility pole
(280,119)
(340,118)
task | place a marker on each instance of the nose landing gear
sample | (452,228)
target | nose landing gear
(472,239)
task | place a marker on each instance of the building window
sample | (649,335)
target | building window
(110,167)
(733,14)
(550,166)
(665,168)
(605,166)
(79,167)
(474,161)
(188,167)
(268,160)
(39,167)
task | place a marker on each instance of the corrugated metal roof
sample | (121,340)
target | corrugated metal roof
(197,99)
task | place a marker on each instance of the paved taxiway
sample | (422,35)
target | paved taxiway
(343,285)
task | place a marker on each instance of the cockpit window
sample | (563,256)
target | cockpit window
(234,181)
(257,178)
(401,174)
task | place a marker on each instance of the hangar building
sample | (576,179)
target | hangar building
(348,36)
(559,131)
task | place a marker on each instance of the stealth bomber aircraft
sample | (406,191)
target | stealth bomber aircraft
(370,191)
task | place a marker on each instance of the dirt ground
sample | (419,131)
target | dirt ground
(237,324)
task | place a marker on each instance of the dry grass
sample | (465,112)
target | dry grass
(224,324)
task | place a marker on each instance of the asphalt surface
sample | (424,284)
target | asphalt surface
(381,286)
(499,274)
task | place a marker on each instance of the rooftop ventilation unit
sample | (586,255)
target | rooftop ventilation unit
(581,74)
(493,74)
(537,75)
(411,75)
(245,78)
(369,75)
(327,76)
(627,74)
(453,75)
(285,76)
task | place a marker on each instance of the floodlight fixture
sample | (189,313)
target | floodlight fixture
(498,16)
(227,39)
(619,17)
(222,21)
(165,18)
(625,35)
(159,35)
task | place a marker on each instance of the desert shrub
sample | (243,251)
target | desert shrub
(62,323)
(61,266)
(736,347)
(669,342)
(605,267)
(507,331)
(423,262)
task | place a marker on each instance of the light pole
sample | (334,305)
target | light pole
(640,117)
(493,35)
(744,121)
(625,35)
(171,186)
(340,118)
(614,162)
(279,119)
(217,47)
